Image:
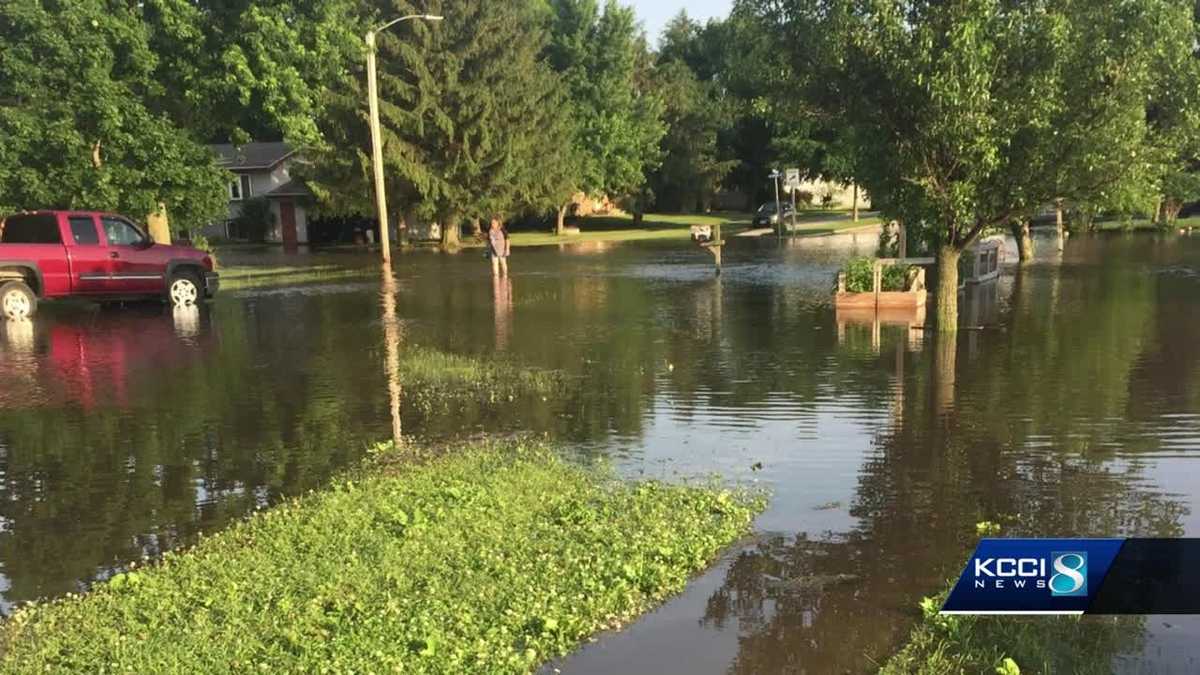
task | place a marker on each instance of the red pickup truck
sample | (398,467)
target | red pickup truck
(57,254)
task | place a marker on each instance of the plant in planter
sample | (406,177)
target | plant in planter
(896,278)
(900,286)
(859,275)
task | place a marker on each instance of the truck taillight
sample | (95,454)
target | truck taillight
(208,263)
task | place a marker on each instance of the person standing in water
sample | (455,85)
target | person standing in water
(498,247)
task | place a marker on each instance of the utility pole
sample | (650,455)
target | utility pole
(376,135)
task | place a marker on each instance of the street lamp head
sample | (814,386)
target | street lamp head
(410,17)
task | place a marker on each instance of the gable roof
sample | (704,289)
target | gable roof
(292,188)
(252,156)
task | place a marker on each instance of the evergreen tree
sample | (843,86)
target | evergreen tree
(691,169)
(700,114)
(469,114)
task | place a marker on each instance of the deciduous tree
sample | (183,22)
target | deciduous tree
(78,123)
(958,107)
(602,58)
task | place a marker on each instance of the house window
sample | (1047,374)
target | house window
(240,189)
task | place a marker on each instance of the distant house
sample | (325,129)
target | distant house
(262,170)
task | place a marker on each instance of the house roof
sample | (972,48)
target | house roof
(252,156)
(292,188)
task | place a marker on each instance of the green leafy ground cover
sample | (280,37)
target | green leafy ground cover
(491,558)
(1011,645)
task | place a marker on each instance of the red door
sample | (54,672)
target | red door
(89,258)
(287,222)
(133,266)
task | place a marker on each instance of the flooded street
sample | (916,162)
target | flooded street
(1071,407)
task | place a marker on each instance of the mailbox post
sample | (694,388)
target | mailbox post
(709,237)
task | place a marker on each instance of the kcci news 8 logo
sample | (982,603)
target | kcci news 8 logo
(1078,576)
(1032,576)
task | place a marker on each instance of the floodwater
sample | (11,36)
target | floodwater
(1071,407)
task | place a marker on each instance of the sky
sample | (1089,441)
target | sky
(656,13)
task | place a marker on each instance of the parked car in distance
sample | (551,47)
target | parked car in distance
(57,254)
(765,216)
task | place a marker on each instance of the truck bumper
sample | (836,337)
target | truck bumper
(212,283)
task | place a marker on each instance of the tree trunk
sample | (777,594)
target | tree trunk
(856,202)
(1059,225)
(450,227)
(638,217)
(159,225)
(560,223)
(1171,209)
(476,228)
(947,290)
(1020,232)
(945,365)
(402,226)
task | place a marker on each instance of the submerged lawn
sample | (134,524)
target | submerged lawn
(489,559)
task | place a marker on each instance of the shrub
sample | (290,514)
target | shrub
(201,243)
(859,275)
(255,220)
(895,277)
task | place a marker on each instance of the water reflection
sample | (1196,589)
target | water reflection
(1072,412)
(502,297)
(187,321)
(391,341)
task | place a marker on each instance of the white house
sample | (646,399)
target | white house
(262,170)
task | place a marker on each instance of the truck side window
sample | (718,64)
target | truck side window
(121,233)
(83,230)
(31,228)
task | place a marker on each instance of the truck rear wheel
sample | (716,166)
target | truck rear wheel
(185,289)
(17,300)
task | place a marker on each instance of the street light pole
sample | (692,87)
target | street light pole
(376,135)
(778,212)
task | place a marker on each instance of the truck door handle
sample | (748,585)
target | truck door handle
(114,254)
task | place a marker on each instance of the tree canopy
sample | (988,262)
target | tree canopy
(79,127)
(604,63)
(242,70)
(968,114)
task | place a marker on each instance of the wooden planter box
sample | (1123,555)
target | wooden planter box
(877,300)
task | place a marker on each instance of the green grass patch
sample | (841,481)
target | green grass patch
(491,558)
(622,228)
(815,223)
(1139,224)
(1011,645)
(433,378)
(241,277)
